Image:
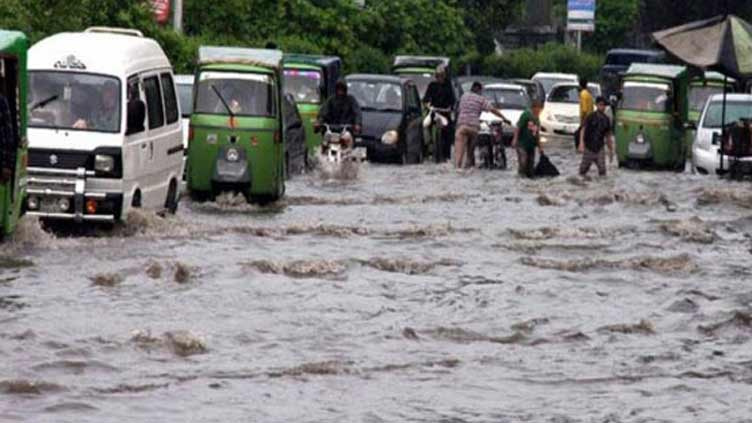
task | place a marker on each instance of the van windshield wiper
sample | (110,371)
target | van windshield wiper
(44,102)
(222,99)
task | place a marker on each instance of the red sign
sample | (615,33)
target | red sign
(161,10)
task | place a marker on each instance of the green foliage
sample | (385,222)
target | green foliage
(614,21)
(550,58)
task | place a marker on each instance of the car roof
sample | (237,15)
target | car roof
(373,77)
(108,53)
(505,86)
(565,84)
(731,97)
(184,79)
(420,61)
(571,76)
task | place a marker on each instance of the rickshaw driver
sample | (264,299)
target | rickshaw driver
(341,109)
(105,117)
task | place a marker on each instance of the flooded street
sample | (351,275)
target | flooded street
(409,294)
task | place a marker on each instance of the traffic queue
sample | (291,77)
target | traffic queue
(95,123)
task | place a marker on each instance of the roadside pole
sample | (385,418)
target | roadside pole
(579,41)
(177,16)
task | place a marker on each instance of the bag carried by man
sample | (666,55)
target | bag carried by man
(545,169)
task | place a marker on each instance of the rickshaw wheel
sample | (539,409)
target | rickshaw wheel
(200,196)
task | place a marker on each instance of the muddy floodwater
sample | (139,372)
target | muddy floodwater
(407,294)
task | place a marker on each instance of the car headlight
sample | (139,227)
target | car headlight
(640,138)
(104,163)
(390,137)
(232,155)
(484,126)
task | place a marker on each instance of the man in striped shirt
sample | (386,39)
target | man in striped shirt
(472,104)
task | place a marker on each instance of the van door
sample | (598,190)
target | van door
(173,148)
(154,180)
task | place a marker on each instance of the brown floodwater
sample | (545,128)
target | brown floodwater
(394,294)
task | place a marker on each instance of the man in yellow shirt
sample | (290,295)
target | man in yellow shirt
(586,107)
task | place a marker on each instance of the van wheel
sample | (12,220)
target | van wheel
(136,202)
(171,204)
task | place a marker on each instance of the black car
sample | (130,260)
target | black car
(296,155)
(617,63)
(392,130)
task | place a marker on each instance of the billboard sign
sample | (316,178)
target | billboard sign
(161,10)
(581,15)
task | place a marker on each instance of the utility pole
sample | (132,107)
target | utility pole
(177,16)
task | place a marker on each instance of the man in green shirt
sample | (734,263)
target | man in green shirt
(527,139)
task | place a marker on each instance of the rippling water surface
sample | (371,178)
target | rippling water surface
(410,294)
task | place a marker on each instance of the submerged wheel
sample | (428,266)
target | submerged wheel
(171,203)
(200,196)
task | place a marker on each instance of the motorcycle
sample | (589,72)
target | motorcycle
(490,142)
(337,144)
(434,123)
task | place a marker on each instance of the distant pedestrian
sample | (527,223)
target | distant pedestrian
(472,104)
(596,133)
(586,107)
(527,139)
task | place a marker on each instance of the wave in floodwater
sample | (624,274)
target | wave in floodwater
(338,268)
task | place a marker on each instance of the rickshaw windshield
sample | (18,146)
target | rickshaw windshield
(507,98)
(185,96)
(646,97)
(74,101)
(373,95)
(246,94)
(698,95)
(735,111)
(304,85)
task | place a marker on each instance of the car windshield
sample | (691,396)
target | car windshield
(78,101)
(698,95)
(185,95)
(376,95)
(735,110)
(646,97)
(506,98)
(565,94)
(421,81)
(304,85)
(246,94)
(549,83)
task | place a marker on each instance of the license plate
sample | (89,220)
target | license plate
(49,205)
(231,170)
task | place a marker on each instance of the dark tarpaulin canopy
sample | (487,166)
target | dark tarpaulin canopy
(722,43)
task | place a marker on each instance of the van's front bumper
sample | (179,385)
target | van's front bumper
(75,195)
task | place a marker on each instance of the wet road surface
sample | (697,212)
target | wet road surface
(405,295)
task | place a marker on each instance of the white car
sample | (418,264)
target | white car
(512,100)
(548,80)
(560,118)
(705,149)
(184,84)
(104,127)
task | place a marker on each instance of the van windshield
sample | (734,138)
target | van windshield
(304,85)
(735,111)
(74,101)
(646,97)
(698,95)
(246,94)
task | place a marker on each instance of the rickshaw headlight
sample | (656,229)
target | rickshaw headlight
(104,163)
(32,203)
(63,204)
(640,139)
(390,137)
(232,155)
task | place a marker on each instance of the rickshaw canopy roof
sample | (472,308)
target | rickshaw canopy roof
(312,59)
(13,42)
(713,76)
(660,71)
(209,55)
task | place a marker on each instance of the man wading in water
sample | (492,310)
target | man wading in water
(472,104)
(596,132)
(527,139)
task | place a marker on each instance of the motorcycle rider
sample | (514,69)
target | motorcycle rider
(440,95)
(341,109)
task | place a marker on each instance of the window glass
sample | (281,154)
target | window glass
(646,97)
(304,85)
(171,103)
(565,94)
(185,95)
(376,95)
(154,108)
(246,94)
(735,111)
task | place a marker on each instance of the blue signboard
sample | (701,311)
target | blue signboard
(581,15)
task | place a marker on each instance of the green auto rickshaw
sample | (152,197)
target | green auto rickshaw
(310,79)
(237,138)
(419,69)
(652,117)
(13,142)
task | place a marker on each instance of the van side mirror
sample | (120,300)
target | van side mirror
(136,116)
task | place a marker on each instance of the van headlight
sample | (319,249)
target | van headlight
(104,163)
(390,137)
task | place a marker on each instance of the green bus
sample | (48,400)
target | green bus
(310,79)
(13,119)
(236,139)
(652,117)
